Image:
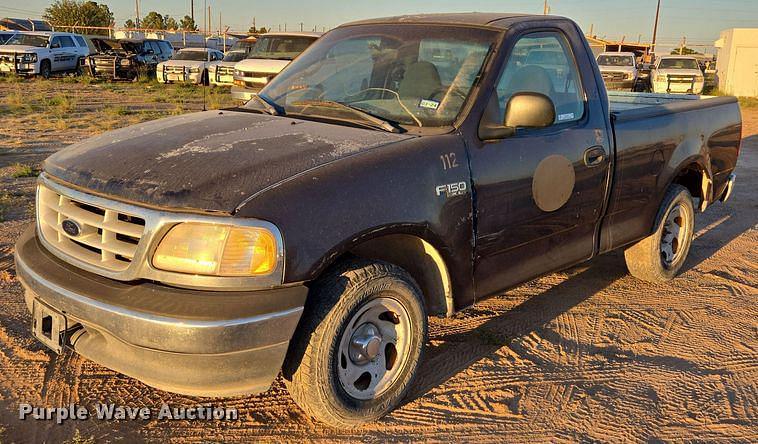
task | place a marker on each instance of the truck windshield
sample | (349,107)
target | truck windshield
(280,47)
(678,64)
(197,56)
(39,41)
(608,60)
(234,56)
(416,75)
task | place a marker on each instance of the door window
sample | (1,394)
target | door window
(544,63)
(80,41)
(67,42)
(165,48)
(55,42)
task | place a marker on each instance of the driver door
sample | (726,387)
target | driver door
(540,192)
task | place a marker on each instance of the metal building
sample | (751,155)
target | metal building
(737,64)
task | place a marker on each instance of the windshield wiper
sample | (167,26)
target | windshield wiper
(270,107)
(374,121)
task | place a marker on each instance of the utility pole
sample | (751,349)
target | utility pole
(301,26)
(655,27)
(209,26)
(192,10)
(592,28)
(137,9)
(683,44)
(547,9)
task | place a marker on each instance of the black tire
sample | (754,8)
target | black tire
(78,72)
(660,256)
(316,355)
(45,69)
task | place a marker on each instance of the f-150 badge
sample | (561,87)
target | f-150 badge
(452,189)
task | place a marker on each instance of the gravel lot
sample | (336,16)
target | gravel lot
(583,355)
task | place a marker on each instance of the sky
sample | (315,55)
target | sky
(699,21)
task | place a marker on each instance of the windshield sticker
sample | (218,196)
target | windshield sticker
(429,104)
(567,116)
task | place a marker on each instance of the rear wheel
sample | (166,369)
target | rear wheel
(358,346)
(660,256)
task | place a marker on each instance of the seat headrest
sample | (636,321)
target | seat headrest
(421,80)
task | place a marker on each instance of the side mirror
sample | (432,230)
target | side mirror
(524,110)
(55,45)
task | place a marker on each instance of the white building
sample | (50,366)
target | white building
(737,64)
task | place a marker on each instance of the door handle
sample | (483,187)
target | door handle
(594,156)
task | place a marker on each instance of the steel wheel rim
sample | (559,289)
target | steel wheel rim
(674,235)
(374,348)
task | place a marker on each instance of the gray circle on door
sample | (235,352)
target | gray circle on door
(553,182)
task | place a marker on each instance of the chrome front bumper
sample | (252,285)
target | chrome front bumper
(193,342)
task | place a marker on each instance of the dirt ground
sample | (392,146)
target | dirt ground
(590,354)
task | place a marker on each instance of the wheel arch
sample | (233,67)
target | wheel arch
(693,175)
(413,253)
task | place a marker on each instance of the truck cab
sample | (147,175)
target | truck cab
(619,70)
(399,168)
(270,54)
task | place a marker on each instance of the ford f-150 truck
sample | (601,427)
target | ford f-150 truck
(400,168)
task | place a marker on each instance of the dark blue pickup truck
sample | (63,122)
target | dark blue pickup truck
(400,168)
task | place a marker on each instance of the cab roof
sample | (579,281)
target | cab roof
(466,18)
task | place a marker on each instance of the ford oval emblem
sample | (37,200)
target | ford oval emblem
(71,227)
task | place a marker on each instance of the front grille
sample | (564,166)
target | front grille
(225,70)
(674,78)
(174,70)
(107,238)
(614,76)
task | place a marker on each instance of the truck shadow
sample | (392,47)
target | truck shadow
(460,350)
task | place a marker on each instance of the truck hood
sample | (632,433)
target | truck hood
(208,161)
(679,72)
(262,65)
(608,68)
(185,63)
(19,48)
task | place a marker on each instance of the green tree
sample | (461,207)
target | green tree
(129,24)
(171,23)
(263,30)
(187,24)
(153,20)
(63,13)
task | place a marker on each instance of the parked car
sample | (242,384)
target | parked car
(677,74)
(619,70)
(125,59)
(189,65)
(222,72)
(5,35)
(312,232)
(271,53)
(43,53)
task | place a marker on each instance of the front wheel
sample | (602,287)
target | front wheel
(45,69)
(660,256)
(358,346)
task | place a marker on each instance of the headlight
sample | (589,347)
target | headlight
(629,76)
(28,58)
(699,78)
(661,78)
(217,250)
(125,62)
(194,70)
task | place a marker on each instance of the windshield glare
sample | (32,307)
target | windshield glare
(39,41)
(678,64)
(607,60)
(409,75)
(197,56)
(280,47)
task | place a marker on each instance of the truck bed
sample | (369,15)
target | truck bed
(655,134)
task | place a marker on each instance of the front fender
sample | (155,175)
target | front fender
(396,189)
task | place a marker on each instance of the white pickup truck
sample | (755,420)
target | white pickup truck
(43,53)
(189,65)
(271,53)
(619,70)
(677,74)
